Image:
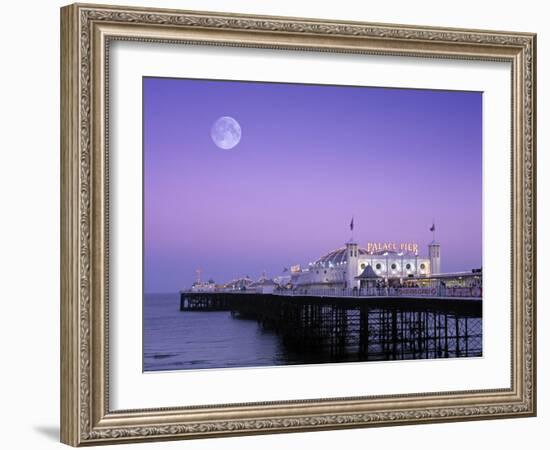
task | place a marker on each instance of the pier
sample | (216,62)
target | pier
(357,324)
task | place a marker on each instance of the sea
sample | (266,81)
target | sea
(201,340)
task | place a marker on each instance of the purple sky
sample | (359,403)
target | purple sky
(310,157)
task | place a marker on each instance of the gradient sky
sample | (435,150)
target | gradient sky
(310,158)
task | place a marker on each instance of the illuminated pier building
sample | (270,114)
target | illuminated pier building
(354,266)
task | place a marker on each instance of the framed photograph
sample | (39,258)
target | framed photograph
(275,224)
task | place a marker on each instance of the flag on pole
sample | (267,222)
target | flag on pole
(351,224)
(432,228)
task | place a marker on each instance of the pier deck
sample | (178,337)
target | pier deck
(227,301)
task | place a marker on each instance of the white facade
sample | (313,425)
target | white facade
(434,251)
(352,264)
(203,287)
(340,267)
(263,286)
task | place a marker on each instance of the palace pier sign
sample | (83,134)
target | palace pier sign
(408,247)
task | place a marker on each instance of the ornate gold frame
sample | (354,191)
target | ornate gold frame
(86,31)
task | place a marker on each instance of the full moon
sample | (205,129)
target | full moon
(226,132)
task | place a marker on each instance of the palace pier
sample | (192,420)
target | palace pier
(378,302)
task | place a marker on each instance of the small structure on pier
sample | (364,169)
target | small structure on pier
(238,284)
(368,278)
(473,279)
(263,286)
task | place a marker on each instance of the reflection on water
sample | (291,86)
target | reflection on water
(176,340)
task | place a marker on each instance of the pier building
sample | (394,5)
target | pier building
(349,266)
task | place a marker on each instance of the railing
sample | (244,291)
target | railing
(454,292)
(469,292)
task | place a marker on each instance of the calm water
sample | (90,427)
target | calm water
(199,340)
(175,340)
